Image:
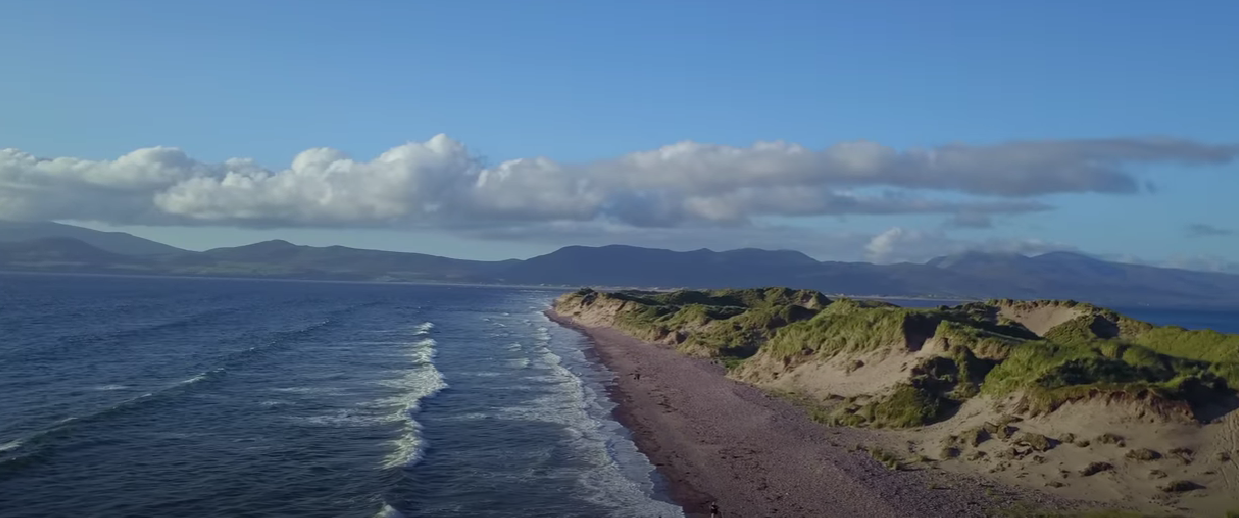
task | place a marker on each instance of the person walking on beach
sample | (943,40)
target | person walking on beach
(714,510)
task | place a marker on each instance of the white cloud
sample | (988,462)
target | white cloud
(439,183)
(900,244)
(884,245)
(325,187)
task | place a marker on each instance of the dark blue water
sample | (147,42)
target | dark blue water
(1223,321)
(174,397)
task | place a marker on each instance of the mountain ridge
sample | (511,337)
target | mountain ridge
(968,275)
(116,242)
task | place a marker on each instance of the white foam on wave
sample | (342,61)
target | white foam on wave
(562,405)
(12,445)
(192,380)
(481,374)
(421,382)
(389,512)
(322,391)
(200,377)
(469,416)
(374,343)
(620,476)
(105,388)
(347,419)
(542,335)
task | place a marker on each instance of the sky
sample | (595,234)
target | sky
(881,130)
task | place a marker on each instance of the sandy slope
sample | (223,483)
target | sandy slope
(717,439)
(1207,456)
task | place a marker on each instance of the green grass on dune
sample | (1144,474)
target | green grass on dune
(983,342)
(842,328)
(1205,345)
(1099,353)
(907,406)
(741,333)
(1106,352)
(730,323)
(964,374)
(1050,373)
(743,297)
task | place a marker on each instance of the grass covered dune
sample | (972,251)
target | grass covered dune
(1044,353)
(1066,398)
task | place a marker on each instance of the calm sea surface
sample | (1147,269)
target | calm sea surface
(177,397)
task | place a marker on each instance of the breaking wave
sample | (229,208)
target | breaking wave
(423,381)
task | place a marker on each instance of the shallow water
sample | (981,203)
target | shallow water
(180,397)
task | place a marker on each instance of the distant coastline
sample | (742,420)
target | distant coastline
(547,287)
(286,279)
(560,288)
(965,276)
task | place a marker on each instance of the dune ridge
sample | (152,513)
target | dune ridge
(1051,394)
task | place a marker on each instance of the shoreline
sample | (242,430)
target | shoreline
(668,488)
(714,439)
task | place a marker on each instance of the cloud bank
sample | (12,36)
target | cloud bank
(1205,230)
(439,183)
(899,244)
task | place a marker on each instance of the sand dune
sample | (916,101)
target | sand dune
(1057,397)
(716,439)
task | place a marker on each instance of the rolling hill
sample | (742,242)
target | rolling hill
(970,275)
(115,242)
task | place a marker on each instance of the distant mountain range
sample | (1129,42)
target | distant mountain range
(115,242)
(51,247)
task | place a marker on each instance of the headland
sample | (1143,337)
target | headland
(779,402)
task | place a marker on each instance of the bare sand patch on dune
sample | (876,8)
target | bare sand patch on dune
(1039,318)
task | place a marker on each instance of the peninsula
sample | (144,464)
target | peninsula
(1049,404)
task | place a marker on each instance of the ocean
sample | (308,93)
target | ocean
(185,397)
(153,397)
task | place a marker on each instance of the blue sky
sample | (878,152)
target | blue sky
(591,82)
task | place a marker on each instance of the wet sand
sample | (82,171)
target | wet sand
(718,440)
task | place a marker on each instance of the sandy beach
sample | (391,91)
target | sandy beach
(718,440)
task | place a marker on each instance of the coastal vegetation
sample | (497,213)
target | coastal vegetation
(1044,353)
(1062,396)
